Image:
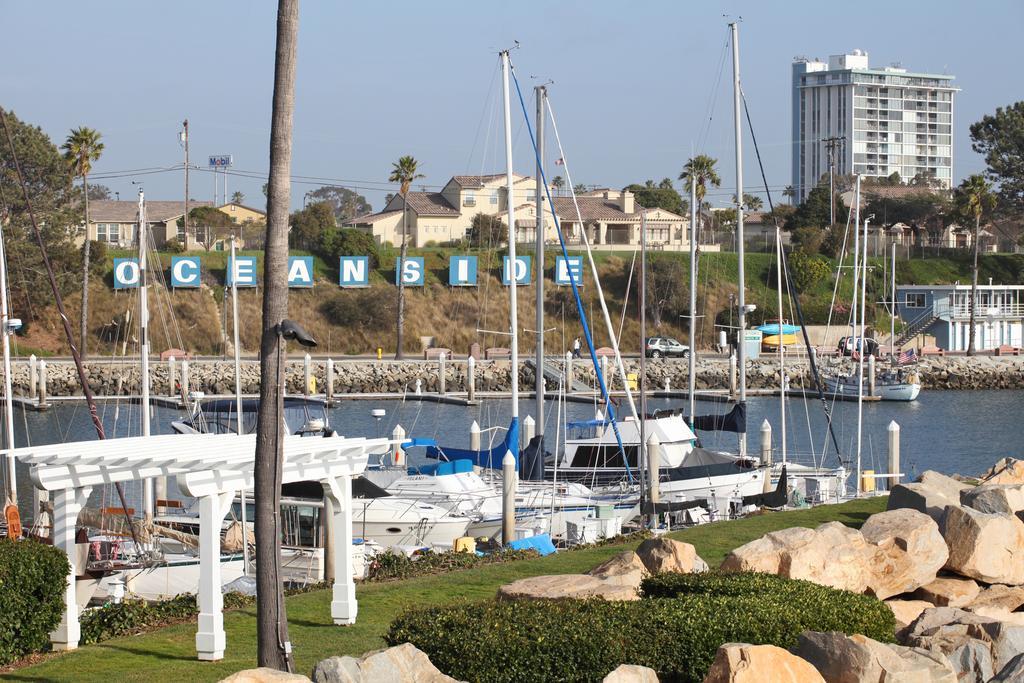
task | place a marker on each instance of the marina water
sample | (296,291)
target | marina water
(949,431)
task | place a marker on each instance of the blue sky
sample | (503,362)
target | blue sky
(637,86)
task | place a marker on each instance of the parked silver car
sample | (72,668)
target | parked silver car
(657,347)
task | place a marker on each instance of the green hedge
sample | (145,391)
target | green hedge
(32,581)
(583,640)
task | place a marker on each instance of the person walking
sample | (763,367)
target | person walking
(576,347)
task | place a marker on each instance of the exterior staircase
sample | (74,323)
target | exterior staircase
(915,327)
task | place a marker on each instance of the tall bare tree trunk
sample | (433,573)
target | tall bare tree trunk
(974,287)
(273,646)
(83,335)
(400,325)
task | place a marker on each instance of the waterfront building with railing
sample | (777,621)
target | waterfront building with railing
(943,312)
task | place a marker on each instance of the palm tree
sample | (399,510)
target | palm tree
(404,172)
(973,199)
(81,148)
(272,622)
(751,202)
(237,197)
(558,182)
(789,193)
(700,170)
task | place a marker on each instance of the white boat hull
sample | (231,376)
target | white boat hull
(887,391)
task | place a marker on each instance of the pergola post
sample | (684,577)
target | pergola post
(343,602)
(210,636)
(67,503)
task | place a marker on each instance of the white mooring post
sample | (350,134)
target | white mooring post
(871,375)
(529,429)
(471,379)
(732,376)
(440,374)
(172,376)
(33,374)
(766,453)
(654,469)
(474,436)
(508,498)
(307,374)
(397,454)
(668,385)
(42,383)
(569,376)
(184,378)
(329,389)
(894,453)
(604,373)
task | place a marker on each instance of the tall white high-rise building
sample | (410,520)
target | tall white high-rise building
(874,122)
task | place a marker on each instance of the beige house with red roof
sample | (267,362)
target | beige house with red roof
(444,216)
(611,218)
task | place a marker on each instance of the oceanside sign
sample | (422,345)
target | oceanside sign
(186,272)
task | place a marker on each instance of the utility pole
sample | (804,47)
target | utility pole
(541,93)
(831,144)
(184,139)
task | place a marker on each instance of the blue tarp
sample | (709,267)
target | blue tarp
(542,544)
(442,468)
(490,459)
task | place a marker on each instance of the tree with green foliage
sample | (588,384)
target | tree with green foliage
(346,203)
(237,197)
(973,200)
(914,210)
(1000,138)
(81,148)
(308,225)
(815,212)
(558,182)
(751,202)
(662,195)
(208,224)
(404,172)
(487,231)
(98,192)
(700,170)
(58,214)
(335,242)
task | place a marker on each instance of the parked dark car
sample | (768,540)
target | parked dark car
(850,345)
(657,347)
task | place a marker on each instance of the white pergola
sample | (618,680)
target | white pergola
(212,468)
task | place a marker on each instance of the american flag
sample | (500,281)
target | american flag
(908,356)
(559,161)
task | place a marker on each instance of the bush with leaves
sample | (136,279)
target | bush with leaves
(32,581)
(582,640)
(807,269)
(335,242)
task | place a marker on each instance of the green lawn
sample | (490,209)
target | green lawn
(169,654)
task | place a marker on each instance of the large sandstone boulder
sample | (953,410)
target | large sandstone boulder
(1013,672)
(910,552)
(998,596)
(1005,471)
(930,494)
(1007,499)
(989,548)
(400,664)
(949,591)
(666,555)
(631,673)
(906,611)
(264,675)
(978,646)
(831,555)
(565,586)
(858,659)
(624,569)
(742,663)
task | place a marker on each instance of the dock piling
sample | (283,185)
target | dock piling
(440,374)
(471,379)
(529,429)
(329,389)
(766,452)
(307,374)
(894,453)
(33,373)
(172,375)
(569,375)
(732,376)
(871,375)
(508,498)
(474,436)
(397,454)
(184,378)
(42,383)
(654,468)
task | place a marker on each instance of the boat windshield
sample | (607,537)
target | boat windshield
(219,416)
(589,429)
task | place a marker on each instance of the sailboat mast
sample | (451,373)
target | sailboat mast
(864,350)
(782,357)
(510,200)
(691,380)
(853,311)
(148,503)
(239,426)
(892,304)
(643,453)
(741,302)
(541,92)
(5,331)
